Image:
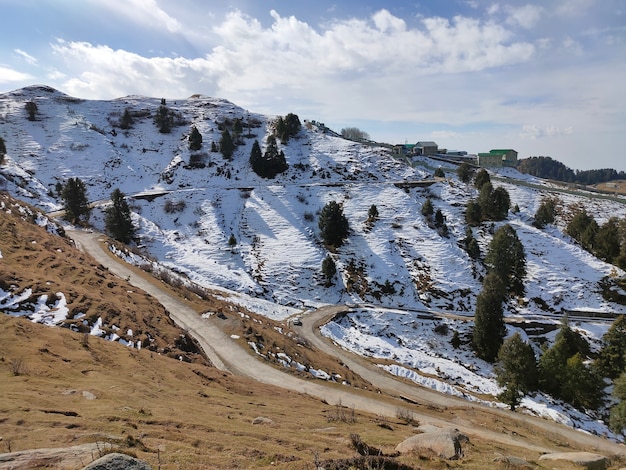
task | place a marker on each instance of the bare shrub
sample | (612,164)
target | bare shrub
(18,366)
(406,415)
(172,207)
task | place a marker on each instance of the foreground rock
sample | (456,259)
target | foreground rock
(59,458)
(445,443)
(582,459)
(118,462)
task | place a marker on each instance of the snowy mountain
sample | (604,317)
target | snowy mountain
(189,206)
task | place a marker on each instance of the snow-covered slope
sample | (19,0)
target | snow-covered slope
(278,252)
(188,214)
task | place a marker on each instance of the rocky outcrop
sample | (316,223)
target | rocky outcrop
(585,460)
(445,443)
(60,458)
(118,462)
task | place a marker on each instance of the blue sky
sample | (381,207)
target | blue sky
(544,78)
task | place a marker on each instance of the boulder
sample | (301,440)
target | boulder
(582,459)
(263,420)
(445,443)
(118,462)
(513,462)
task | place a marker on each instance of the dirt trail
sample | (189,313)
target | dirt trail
(227,355)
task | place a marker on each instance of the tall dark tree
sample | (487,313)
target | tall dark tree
(583,228)
(471,245)
(500,204)
(227,146)
(256,155)
(611,361)
(608,241)
(372,213)
(545,214)
(617,419)
(489,328)
(333,224)
(195,139)
(481,178)
(32,110)
(117,219)
(3,150)
(439,218)
(329,269)
(127,120)
(516,370)
(473,214)
(164,118)
(427,208)
(75,203)
(506,257)
(439,173)
(464,172)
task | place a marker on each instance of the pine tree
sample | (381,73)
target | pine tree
(164,118)
(3,150)
(256,156)
(545,214)
(500,203)
(32,110)
(611,361)
(516,370)
(553,368)
(583,228)
(439,173)
(473,215)
(608,241)
(617,419)
(471,245)
(506,257)
(439,218)
(117,219)
(195,139)
(127,120)
(581,387)
(489,328)
(271,163)
(75,202)
(427,208)
(372,213)
(329,269)
(481,178)
(464,172)
(227,146)
(333,224)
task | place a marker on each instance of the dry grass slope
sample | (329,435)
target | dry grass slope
(58,391)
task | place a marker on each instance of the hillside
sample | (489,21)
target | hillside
(189,206)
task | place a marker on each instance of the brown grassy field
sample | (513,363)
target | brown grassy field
(58,390)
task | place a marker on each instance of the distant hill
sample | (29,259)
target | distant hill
(547,168)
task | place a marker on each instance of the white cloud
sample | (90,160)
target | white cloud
(145,12)
(27,57)
(526,16)
(532,131)
(8,75)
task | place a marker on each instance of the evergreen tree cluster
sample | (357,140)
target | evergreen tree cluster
(492,204)
(287,127)
(547,168)
(607,242)
(270,163)
(546,214)
(165,118)
(506,270)
(464,172)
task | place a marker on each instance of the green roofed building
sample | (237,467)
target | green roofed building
(498,158)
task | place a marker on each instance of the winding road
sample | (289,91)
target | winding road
(226,354)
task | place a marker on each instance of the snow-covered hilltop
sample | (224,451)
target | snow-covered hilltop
(192,205)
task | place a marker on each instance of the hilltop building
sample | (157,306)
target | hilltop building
(498,158)
(426,148)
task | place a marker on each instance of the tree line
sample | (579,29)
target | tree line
(547,168)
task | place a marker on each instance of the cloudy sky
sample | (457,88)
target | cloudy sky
(544,78)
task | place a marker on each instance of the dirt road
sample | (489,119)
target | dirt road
(227,355)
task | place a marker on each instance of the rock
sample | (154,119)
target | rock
(445,443)
(582,459)
(88,395)
(262,420)
(59,458)
(118,462)
(513,462)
